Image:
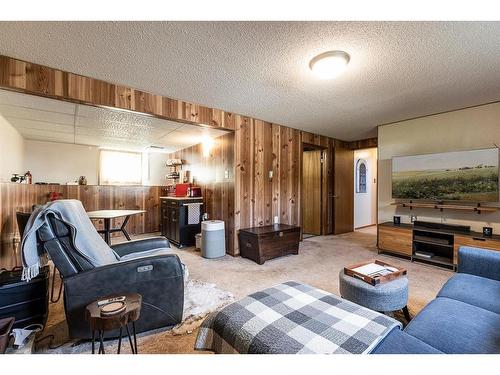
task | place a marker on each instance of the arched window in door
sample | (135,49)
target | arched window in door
(361,176)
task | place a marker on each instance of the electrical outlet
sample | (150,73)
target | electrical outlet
(226,174)
(270,174)
(276,220)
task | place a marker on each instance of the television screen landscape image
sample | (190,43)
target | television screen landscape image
(461,175)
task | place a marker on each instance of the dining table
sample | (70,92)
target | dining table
(107,216)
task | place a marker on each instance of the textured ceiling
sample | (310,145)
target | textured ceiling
(398,70)
(51,120)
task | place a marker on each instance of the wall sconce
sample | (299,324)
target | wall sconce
(207,145)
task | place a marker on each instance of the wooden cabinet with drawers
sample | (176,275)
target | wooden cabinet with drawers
(440,239)
(174,220)
(396,239)
(473,241)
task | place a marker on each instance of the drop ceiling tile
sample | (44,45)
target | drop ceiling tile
(121,135)
(36,102)
(107,114)
(107,142)
(119,128)
(180,138)
(166,124)
(39,135)
(53,120)
(36,114)
(40,126)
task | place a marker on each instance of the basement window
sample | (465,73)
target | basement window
(123,168)
(361,176)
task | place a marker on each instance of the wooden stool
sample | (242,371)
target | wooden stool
(101,324)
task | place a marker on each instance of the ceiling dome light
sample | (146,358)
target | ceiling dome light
(329,64)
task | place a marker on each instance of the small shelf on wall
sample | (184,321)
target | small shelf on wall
(446,206)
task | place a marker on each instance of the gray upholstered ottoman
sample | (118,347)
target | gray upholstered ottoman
(385,297)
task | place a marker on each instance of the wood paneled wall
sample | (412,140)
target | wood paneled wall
(262,147)
(209,172)
(54,83)
(259,147)
(20,197)
(362,143)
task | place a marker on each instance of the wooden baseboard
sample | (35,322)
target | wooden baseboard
(366,226)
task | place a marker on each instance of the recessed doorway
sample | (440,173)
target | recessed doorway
(312,190)
(365,187)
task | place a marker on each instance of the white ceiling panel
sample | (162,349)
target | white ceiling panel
(97,126)
(145,139)
(118,128)
(108,142)
(40,126)
(35,102)
(107,114)
(40,135)
(36,114)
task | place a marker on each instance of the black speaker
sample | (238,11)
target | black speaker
(487,231)
(396,220)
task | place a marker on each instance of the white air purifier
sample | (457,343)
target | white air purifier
(213,239)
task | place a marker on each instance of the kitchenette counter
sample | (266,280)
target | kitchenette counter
(180,219)
(181,198)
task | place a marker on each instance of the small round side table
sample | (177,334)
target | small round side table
(101,324)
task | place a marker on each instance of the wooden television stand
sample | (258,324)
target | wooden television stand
(443,240)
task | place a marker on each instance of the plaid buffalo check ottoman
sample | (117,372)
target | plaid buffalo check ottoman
(293,318)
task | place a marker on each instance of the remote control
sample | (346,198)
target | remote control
(109,300)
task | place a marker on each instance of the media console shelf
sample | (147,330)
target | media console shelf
(431,242)
(446,206)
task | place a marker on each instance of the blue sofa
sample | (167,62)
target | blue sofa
(464,317)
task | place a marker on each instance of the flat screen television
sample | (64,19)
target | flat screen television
(448,176)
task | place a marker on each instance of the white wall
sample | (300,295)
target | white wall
(61,162)
(64,162)
(466,129)
(365,204)
(11,151)
(158,169)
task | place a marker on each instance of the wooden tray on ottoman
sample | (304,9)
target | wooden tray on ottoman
(349,270)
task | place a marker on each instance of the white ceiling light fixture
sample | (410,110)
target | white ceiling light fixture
(329,64)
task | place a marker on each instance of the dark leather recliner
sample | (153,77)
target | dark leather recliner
(149,270)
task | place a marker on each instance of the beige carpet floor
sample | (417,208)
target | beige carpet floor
(319,261)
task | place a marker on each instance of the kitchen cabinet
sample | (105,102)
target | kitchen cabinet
(175,220)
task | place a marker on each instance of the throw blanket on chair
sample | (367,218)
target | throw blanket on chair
(86,239)
(293,318)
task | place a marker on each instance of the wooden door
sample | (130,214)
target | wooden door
(311,190)
(343,175)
